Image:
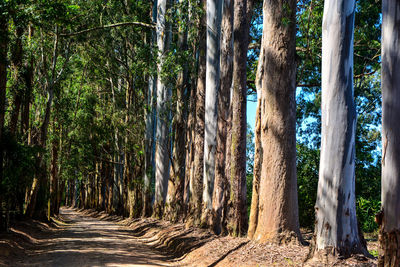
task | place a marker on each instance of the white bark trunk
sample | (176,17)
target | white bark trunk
(214,17)
(390,114)
(336,223)
(163,97)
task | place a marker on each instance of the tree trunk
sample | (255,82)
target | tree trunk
(237,220)
(150,134)
(3,82)
(53,177)
(16,69)
(221,183)
(196,187)
(277,219)
(389,254)
(163,99)
(214,16)
(175,205)
(336,226)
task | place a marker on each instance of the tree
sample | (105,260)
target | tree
(196,180)
(163,98)
(336,229)
(390,223)
(214,16)
(237,221)
(221,185)
(277,216)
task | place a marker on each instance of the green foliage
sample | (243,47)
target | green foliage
(366,210)
(307,180)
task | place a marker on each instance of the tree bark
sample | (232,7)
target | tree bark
(163,99)
(150,134)
(389,253)
(196,186)
(175,205)
(214,16)
(336,229)
(237,216)
(277,219)
(221,185)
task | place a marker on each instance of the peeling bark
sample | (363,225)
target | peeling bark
(163,98)
(221,195)
(389,254)
(336,229)
(277,218)
(195,202)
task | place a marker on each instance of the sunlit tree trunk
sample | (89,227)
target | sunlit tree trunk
(389,254)
(214,16)
(163,99)
(221,186)
(336,230)
(277,218)
(175,204)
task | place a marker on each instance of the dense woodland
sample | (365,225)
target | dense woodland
(138,108)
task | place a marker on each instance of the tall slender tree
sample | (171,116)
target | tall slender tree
(277,217)
(163,98)
(390,222)
(237,221)
(336,230)
(214,17)
(221,185)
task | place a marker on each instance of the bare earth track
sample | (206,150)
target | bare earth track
(87,241)
(91,238)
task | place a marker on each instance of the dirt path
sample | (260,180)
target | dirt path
(86,241)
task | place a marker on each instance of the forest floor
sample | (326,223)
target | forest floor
(90,238)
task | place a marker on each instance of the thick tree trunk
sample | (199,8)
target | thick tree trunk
(196,186)
(163,98)
(237,216)
(336,229)
(277,203)
(389,254)
(214,17)
(221,193)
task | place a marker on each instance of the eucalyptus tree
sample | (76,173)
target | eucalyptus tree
(336,230)
(163,98)
(214,17)
(196,179)
(390,214)
(277,217)
(221,185)
(237,220)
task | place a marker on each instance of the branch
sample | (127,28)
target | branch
(109,26)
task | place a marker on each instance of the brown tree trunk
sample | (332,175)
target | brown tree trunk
(221,183)
(174,208)
(237,220)
(277,206)
(195,202)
